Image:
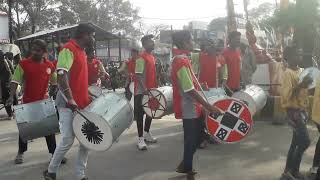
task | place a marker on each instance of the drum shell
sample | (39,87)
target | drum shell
(115,110)
(313,72)
(253,96)
(167,91)
(36,119)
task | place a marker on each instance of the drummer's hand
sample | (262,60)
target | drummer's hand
(71,104)
(214,111)
(9,101)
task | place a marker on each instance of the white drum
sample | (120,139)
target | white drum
(36,119)
(253,96)
(313,72)
(158,102)
(109,116)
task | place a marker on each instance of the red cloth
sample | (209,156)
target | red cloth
(131,64)
(36,79)
(150,68)
(208,70)
(93,71)
(78,74)
(177,96)
(233,61)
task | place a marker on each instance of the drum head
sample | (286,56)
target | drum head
(234,125)
(247,99)
(154,104)
(313,72)
(95,135)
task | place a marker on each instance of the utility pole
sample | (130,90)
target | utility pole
(232,24)
(10,20)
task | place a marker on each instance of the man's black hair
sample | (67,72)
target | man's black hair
(84,28)
(233,34)
(146,37)
(289,52)
(180,37)
(41,43)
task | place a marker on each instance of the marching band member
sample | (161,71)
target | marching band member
(145,70)
(35,72)
(95,68)
(294,98)
(316,118)
(186,99)
(73,94)
(233,60)
(129,67)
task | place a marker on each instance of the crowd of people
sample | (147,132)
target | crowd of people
(77,68)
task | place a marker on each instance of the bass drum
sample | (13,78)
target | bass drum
(253,96)
(36,119)
(158,102)
(108,117)
(233,125)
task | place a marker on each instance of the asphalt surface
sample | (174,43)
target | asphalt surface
(261,156)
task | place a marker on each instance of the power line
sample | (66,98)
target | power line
(176,19)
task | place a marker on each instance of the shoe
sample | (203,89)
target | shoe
(288,176)
(49,176)
(149,138)
(299,176)
(85,178)
(204,144)
(313,170)
(19,158)
(141,144)
(190,176)
(180,169)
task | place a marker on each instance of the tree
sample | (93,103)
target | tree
(218,24)
(154,29)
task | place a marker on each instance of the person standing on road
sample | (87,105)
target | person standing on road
(186,99)
(35,72)
(95,68)
(233,60)
(145,70)
(73,94)
(294,98)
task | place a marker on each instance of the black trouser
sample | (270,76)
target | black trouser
(300,140)
(191,128)
(316,158)
(138,113)
(5,91)
(51,144)
(203,135)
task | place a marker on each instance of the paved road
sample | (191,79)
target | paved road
(260,157)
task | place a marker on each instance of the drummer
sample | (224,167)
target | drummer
(145,70)
(73,94)
(129,67)
(186,99)
(35,72)
(95,68)
(233,60)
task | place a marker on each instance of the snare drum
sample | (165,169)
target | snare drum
(110,115)
(158,102)
(254,96)
(235,123)
(36,119)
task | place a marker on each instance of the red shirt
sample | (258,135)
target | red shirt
(78,74)
(93,71)
(150,68)
(131,64)
(233,61)
(208,70)
(36,78)
(180,104)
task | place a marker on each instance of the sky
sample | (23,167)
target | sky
(179,12)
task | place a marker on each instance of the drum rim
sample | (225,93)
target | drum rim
(224,142)
(165,100)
